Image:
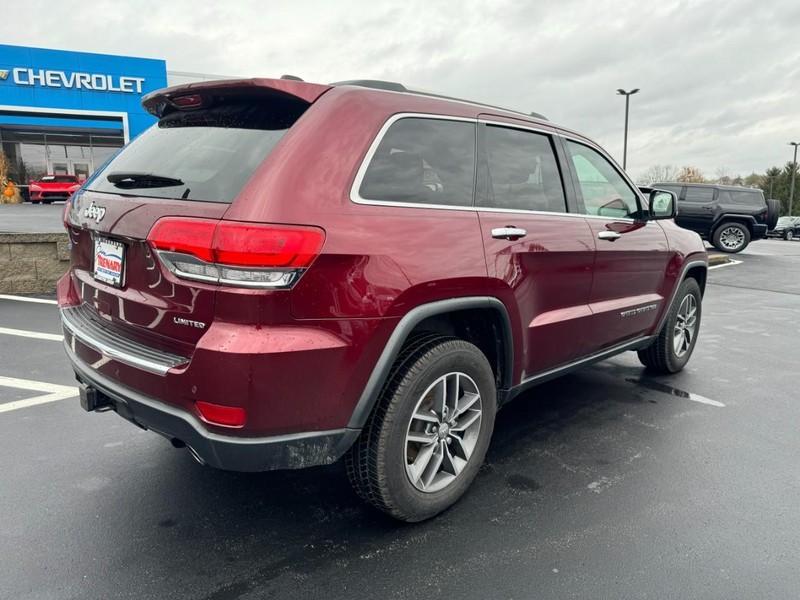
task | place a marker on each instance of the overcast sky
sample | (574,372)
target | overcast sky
(720,81)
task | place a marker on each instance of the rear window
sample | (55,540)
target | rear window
(423,161)
(205,155)
(59,179)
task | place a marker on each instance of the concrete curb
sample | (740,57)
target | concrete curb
(718,259)
(32,263)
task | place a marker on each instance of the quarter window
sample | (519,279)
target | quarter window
(747,198)
(605,193)
(522,172)
(424,161)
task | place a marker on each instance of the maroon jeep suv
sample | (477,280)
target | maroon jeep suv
(279,274)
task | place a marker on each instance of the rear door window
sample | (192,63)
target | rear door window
(675,189)
(205,155)
(423,161)
(699,194)
(521,171)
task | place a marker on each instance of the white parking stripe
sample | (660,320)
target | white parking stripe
(27,299)
(54,392)
(53,337)
(727,264)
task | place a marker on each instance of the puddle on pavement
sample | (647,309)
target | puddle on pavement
(671,391)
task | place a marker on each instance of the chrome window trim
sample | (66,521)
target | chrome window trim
(521,125)
(355,195)
(356,198)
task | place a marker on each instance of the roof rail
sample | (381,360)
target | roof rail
(392,86)
(377,84)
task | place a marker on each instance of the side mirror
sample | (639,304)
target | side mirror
(663,205)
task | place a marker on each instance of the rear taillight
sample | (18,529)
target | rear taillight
(233,253)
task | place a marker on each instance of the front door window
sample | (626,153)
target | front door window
(605,193)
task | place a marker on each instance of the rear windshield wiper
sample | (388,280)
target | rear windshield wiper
(132,180)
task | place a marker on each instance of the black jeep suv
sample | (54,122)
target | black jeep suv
(727,216)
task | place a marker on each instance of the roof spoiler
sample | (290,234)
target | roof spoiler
(163,101)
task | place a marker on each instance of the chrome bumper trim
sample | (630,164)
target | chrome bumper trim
(81,324)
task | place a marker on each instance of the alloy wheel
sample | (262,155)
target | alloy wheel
(685,325)
(443,432)
(732,238)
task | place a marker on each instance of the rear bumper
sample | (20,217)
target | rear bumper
(759,231)
(289,451)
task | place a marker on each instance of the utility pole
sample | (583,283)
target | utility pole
(627,95)
(794,172)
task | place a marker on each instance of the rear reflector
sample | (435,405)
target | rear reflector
(217,414)
(234,253)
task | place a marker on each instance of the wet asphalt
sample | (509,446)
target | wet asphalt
(607,483)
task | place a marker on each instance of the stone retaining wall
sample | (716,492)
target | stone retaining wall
(31,263)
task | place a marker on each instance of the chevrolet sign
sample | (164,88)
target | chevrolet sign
(73,80)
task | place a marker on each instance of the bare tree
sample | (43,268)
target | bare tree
(723,176)
(690,174)
(658,174)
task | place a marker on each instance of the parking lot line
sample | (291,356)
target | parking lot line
(27,299)
(53,337)
(53,393)
(727,264)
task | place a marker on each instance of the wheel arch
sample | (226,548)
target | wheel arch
(698,270)
(747,220)
(446,317)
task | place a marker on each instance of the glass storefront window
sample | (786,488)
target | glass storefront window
(34,161)
(33,154)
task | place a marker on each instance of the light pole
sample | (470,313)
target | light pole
(794,172)
(627,95)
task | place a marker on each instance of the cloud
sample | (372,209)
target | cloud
(720,82)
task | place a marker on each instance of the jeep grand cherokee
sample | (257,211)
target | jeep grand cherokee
(279,274)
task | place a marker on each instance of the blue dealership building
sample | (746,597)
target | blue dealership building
(64,112)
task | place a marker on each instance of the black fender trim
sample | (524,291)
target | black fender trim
(686,267)
(751,220)
(381,370)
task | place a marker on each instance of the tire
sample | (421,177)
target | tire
(378,463)
(789,235)
(661,356)
(773,212)
(731,237)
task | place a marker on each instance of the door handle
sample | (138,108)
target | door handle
(611,236)
(509,232)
